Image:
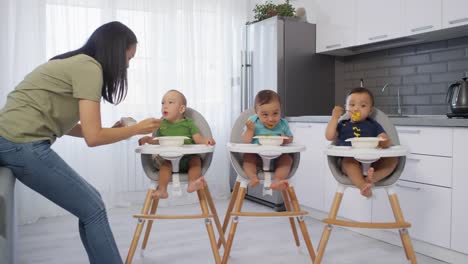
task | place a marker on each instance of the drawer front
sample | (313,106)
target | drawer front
(427,140)
(426,207)
(428,169)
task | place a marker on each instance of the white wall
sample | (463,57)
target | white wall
(309,5)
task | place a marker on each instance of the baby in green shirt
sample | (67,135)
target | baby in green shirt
(175,123)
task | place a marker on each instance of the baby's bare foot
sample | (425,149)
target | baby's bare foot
(196,185)
(366,190)
(370,175)
(279,184)
(160,193)
(254,182)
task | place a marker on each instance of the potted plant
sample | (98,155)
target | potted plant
(267,10)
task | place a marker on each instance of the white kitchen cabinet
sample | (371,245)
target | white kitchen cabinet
(421,16)
(378,20)
(426,207)
(428,169)
(336,24)
(425,186)
(427,140)
(460,191)
(454,13)
(309,178)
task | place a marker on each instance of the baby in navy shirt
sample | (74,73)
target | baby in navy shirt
(359,105)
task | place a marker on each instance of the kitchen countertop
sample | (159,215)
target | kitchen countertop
(412,120)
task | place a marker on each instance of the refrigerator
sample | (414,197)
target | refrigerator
(279,54)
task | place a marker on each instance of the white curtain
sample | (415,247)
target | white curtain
(189,45)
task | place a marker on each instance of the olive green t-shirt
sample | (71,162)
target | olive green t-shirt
(44,105)
(184,127)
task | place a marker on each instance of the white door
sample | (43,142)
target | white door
(336,24)
(460,193)
(378,20)
(454,13)
(421,16)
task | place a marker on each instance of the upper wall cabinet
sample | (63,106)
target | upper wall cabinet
(359,26)
(337,24)
(378,20)
(421,16)
(454,13)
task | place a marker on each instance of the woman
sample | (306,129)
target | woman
(49,103)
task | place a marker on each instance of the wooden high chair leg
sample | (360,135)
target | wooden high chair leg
(302,225)
(328,228)
(227,217)
(404,234)
(139,228)
(209,226)
(215,216)
(239,201)
(287,204)
(154,206)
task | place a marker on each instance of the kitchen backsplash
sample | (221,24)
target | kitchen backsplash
(423,73)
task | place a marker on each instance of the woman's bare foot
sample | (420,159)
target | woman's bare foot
(254,182)
(196,185)
(279,184)
(366,190)
(370,175)
(160,193)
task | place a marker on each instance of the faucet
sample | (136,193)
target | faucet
(398,95)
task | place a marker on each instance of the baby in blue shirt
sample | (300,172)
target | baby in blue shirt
(267,122)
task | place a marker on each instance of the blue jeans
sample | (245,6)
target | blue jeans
(37,166)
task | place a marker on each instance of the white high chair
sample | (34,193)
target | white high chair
(268,153)
(174,154)
(366,157)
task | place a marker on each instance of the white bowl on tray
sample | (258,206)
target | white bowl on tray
(270,140)
(365,142)
(171,141)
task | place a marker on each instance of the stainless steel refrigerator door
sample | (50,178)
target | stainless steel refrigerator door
(262,45)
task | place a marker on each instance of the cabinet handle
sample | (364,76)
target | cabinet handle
(378,37)
(302,125)
(456,21)
(413,159)
(421,28)
(333,46)
(408,187)
(409,131)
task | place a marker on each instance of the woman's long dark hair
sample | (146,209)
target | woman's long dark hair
(108,45)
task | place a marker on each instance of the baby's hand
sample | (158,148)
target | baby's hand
(338,111)
(210,141)
(145,139)
(287,140)
(250,125)
(386,142)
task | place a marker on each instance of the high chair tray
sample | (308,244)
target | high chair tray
(371,153)
(184,149)
(255,148)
